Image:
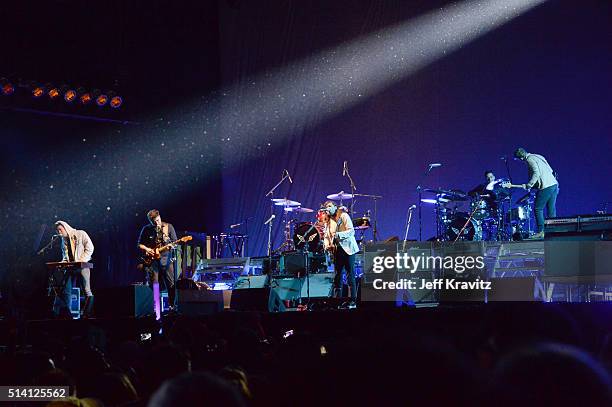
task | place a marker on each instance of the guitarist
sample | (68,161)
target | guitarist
(152,236)
(543,179)
(340,240)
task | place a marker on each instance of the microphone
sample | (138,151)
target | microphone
(503,158)
(344,169)
(269,219)
(235,225)
(412,207)
(288,176)
(435,165)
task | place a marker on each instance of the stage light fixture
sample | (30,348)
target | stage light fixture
(7,87)
(53,93)
(102,100)
(84,97)
(116,102)
(100,97)
(38,91)
(70,95)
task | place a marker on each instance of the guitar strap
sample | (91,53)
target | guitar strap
(165,230)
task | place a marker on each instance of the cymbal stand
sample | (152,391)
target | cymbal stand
(375,224)
(353,188)
(288,243)
(271,195)
(420,192)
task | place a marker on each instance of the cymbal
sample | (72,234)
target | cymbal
(299,209)
(436,191)
(452,195)
(340,196)
(285,202)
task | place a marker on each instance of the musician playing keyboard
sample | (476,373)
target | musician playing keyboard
(152,236)
(76,247)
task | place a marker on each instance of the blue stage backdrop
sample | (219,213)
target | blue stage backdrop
(541,81)
(212,87)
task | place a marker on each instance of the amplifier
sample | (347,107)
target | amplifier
(579,227)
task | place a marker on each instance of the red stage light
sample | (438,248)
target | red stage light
(7,87)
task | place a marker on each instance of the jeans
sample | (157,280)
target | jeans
(61,303)
(546,197)
(165,267)
(86,278)
(343,261)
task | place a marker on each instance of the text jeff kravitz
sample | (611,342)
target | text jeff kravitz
(435,284)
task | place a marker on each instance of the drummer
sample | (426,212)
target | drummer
(485,187)
(487,190)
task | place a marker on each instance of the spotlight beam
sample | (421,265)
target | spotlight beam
(314,89)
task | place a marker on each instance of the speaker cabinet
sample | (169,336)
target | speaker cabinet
(127,301)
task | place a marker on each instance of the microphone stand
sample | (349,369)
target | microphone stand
(420,192)
(47,246)
(271,194)
(353,190)
(407,227)
(508,169)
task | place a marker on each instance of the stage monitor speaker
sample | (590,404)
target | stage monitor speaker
(128,301)
(287,288)
(320,285)
(200,302)
(256,299)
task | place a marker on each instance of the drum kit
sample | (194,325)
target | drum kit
(307,235)
(488,215)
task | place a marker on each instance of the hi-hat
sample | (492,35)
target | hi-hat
(340,196)
(285,202)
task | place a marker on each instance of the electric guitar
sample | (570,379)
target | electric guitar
(149,258)
(509,185)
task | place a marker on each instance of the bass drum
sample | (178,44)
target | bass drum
(481,209)
(306,236)
(472,232)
